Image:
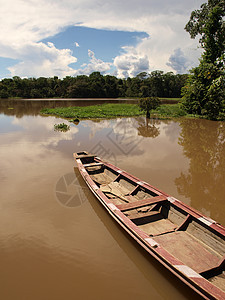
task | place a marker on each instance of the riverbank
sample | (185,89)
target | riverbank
(131,100)
(110,110)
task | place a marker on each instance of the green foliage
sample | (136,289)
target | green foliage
(209,23)
(204,91)
(94,111)
(95,85)
(61,127)
(170,111)
(75,113)
(148,104)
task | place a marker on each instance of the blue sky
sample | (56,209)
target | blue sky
(4,64)
(71,37)
(106,44)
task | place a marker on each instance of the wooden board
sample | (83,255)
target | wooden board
(189,250)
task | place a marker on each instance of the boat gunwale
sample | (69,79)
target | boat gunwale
(193,212)
(193,279)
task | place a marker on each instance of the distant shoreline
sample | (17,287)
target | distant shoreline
(70,99)
(134,100)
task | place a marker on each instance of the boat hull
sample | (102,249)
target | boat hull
(173,233)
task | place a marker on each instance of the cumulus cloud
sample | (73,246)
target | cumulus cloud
(94,65)
(131,63)
(182,61)
(179,62)
(28,22)
(43,60)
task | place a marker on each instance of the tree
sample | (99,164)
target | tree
(133,87)
(95,85)
(147,104)
(142,75)
(156,83)
(208,22)
(111,86)
(204,91)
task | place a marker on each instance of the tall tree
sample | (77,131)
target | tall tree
(203,93)
(148,104)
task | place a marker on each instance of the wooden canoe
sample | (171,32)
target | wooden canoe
(189,244)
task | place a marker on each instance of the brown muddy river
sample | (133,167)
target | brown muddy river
(56,241)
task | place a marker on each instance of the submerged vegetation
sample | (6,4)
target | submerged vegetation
(94,111)
(61,127)
(113,110)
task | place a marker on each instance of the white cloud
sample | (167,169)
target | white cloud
(94,65)
(24,23)
(131,63)
(43,60)
(179,62)
(45,125)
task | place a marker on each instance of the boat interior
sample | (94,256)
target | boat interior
(185,237)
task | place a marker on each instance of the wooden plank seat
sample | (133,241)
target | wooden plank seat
(155,222)
(135,215)
(84,156)
(141,203)
(93,164)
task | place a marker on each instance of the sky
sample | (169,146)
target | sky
(74,37)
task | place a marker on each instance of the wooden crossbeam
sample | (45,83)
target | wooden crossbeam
(141,203)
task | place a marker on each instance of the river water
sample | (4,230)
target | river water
(56,241)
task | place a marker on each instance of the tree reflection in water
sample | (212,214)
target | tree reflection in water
(147,127)
(203,143)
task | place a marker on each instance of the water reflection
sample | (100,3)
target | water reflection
(147,127)
(72,248)
(203,143)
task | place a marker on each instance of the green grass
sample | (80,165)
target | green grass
(95,111)
(163,100)
(170,111)
(112,110)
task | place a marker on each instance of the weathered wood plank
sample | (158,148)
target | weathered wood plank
(186,248)
(141,203)
(92,164)
(137,215)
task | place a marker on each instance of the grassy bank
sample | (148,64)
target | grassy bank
(112,110)
(163,100)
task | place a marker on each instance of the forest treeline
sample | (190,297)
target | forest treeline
(96,85)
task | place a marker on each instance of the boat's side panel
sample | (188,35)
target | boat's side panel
(185,273)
